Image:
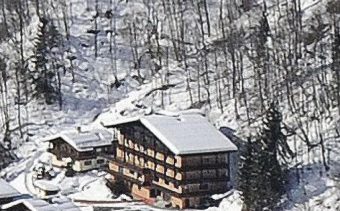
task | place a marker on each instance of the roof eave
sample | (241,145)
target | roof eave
(195,152)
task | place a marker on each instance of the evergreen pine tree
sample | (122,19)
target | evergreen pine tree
(55,44)
(263,31)
(274,148)
(44,73)
(262,175)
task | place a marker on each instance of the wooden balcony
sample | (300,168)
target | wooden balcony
(188,193)
(127,165)
(119,176)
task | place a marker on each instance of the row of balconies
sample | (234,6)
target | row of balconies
(207,186)
(127,172)
(178,161)
(147,161)
(171,160)
(178,177)
(158,168)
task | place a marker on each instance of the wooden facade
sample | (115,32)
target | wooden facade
(151,170)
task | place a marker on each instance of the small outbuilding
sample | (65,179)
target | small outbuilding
(45,190)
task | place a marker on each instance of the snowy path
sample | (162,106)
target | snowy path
(28,174)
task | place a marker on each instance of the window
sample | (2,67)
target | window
(166,182)
(131,172)
(88,163)
(209,173)
(158,145)
(206,160)
(148,139)
(193,174)
(63,148)
(136,134)
(100,161)
(153,193)
(98,149)
(186,187)
(204,186)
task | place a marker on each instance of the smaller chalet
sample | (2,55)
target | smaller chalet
(7,192)
(82,150)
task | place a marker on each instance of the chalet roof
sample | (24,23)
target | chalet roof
(41,205)
(84,140)
(184,134)
(7,191)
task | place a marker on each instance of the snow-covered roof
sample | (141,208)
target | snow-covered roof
(84,140)
(7,191)
(46,186)
(184,134)
(40,205)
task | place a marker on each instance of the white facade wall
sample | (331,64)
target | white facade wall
(85,165)
(81,165)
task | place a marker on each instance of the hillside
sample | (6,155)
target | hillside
(227,59)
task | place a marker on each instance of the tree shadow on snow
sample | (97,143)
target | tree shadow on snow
(305,183)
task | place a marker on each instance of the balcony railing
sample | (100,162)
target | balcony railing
(178,169)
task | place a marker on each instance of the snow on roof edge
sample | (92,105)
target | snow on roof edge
(120,121)
(70,141)
(44,185)
(35,204)
(26,202)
